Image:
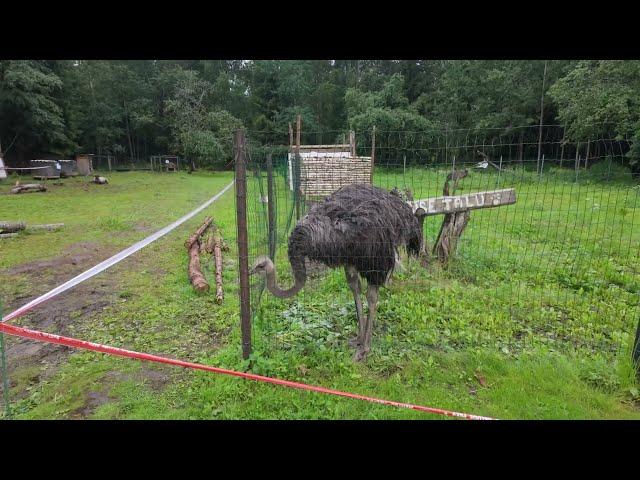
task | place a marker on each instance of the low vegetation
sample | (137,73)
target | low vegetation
(531,321)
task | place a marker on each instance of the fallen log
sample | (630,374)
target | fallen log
(13,227)
(209,244)
(29,187)
(198,233)
(10,227)
(47,226)
(192,245)
(217,253)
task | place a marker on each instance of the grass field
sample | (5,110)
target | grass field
(533,320)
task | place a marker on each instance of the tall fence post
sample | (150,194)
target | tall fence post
(373,152)
(4,370)
(239,148)
(586,158)
(271,209)
(577,165)
(636,350)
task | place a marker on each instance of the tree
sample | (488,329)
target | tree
(31,119)
(200,132)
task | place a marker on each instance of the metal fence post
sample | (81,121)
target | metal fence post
(636,350)
(239,147)
(5,374)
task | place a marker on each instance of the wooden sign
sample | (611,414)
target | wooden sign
(459,203)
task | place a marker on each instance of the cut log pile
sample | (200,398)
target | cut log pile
(197,245)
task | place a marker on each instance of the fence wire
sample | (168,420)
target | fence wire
(557,270)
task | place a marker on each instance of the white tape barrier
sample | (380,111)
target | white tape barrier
(113,260)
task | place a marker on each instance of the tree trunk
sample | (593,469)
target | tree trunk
(29,187)
(10,227)
(453,224)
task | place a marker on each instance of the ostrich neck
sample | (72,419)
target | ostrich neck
(277,291)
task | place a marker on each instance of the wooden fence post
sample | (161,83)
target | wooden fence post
(586,158)
(352,142)
(239,147)
(373,152)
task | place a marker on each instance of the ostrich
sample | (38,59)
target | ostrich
(360,228)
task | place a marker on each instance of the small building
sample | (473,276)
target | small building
(46,169)
(3,172)
(84,164)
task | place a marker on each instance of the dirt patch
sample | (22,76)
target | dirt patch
(60,315)
(77,310)
(92,401)
(153,378)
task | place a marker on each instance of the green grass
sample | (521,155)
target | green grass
(532,320)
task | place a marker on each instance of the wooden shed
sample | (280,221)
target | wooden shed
(84,164)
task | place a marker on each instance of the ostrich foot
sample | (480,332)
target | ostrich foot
(361,354)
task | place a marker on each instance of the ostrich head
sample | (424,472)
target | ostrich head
(262,267)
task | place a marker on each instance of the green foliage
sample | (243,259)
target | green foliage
(531,323)
(599,97)
(29,112)
(138,108)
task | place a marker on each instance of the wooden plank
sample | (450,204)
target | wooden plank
(459,203)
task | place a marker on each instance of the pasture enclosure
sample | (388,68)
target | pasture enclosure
(553,268)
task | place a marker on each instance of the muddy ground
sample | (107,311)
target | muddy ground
(30,362)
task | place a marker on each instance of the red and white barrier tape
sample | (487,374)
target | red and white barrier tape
(112,260)
(96,347)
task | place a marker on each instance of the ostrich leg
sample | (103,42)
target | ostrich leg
(354,283)
(372,300)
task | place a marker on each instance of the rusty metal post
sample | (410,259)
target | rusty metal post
(239,148)
(5,372)
(636,350)
(271,209)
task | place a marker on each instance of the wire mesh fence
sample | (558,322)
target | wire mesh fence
(556,270)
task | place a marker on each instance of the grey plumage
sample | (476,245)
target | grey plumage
(361,228)
(358,225)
